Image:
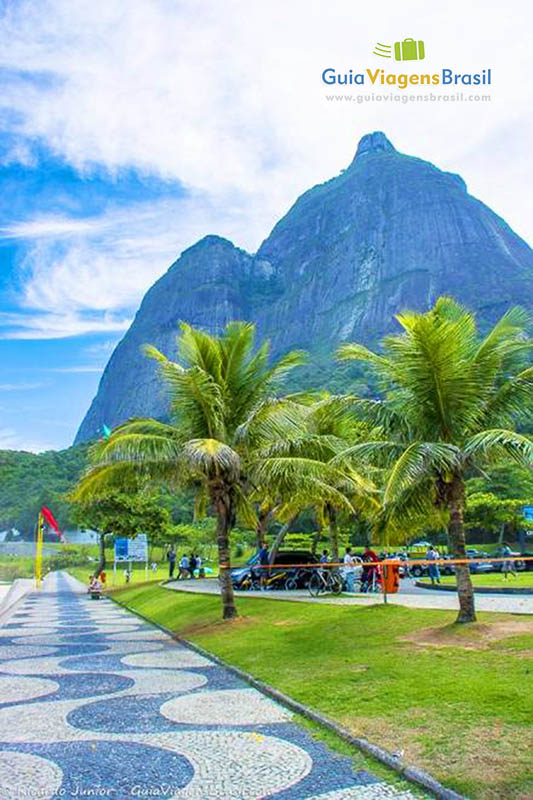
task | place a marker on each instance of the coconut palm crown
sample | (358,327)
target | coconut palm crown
(224,438)
(453,404)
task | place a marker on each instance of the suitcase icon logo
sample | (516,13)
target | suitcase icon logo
(409,50)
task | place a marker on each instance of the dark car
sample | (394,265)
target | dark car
(483,566)
(528,565)
(282,575)
(418,570)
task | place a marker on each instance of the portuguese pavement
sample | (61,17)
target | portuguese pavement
(94,702)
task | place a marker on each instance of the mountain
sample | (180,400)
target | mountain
(391,231)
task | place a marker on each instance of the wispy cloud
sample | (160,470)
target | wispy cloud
(76,369)
(51,226)
(20,387)
(10,439)
(57,325)
(239,106)
(100,349)
(236,115)
(88,276)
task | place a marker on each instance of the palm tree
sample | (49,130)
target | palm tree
(452,403)
(327,428)
(224,412)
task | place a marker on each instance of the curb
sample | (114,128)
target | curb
(477,589)
(18,590)
(412,774)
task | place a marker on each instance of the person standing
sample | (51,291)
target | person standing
(368,577)
(507,565)
(264,561)
(348,570)
(324,558)
(192,564)
(433,569)
(201,571)
(184,567)
(171,558)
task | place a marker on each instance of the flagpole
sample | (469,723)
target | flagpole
(39,553)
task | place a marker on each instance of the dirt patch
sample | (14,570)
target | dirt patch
(285,622)
(477,636)
(219,625)
(461,752)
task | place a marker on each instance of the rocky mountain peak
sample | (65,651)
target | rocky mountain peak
(372,143)
(392,232)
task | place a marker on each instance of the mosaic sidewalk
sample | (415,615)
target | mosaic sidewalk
(94,702)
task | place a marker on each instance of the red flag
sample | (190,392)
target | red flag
(49,517)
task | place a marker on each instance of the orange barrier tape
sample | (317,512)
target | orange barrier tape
(388,562)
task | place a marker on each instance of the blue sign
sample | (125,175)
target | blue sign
(528,513)
(132,549)
(121,549)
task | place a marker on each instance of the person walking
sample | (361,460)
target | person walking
(433,569)
(508,566)
(348,570)
(171,558)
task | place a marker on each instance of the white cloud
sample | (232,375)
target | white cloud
(89,275)
(11,440)
(57,326)
(76,369)
(227,99)
(50,226)
(20,387)
(100,349)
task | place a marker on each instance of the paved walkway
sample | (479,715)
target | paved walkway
(95,702)
(409,595)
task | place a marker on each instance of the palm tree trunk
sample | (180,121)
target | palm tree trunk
(465,591)
(222,508)
(262,524)
(278,541)
(101,563)
(333,534)
(314,541)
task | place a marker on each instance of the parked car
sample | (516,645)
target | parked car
(483,566)
(471,552)
(286,577)
(418,570)
(528,565)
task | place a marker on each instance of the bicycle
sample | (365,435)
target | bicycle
(373,581)
(324,581)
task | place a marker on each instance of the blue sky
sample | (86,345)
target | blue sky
(130,130)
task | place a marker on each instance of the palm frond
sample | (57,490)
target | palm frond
(379,453)
(496,443)
(101,479)
(212,458)
(420,461)
(351,351)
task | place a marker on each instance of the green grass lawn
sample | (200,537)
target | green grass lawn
(522,580)
(138,574)
(458,701)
